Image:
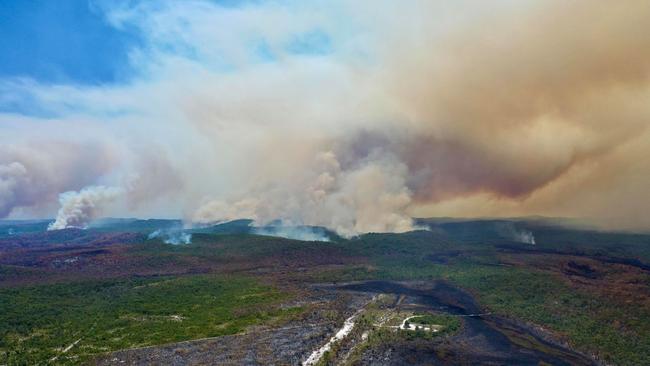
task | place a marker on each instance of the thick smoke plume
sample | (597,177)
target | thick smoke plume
(78,209)
(368,197)
(272,111)
(33,174)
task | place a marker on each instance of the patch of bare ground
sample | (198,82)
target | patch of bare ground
(281,344)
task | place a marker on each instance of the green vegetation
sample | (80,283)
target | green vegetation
(592,324)
(379,337)
(377,327)
(232,247)
(625,245)
(449,323)
(616,332)
(37,323)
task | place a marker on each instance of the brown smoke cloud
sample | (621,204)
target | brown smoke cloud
(513,104)
(426,108)
(510,105)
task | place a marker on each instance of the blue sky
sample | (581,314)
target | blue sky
(77,43)
(72,42)
(211,110)
(62,41)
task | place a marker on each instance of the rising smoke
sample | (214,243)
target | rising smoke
(171,236)
(511,231)
(368,197)
(532,107)
(525,236)
(34,173)
(78,209)
(283,230)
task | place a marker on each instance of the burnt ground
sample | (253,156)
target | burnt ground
(284,346)
(29,259)
(67,256)
(289,344)
(619,280)
(484,339)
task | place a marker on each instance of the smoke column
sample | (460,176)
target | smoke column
(292,232)
(320,115)
(525,237)
(171,236)
(78,209)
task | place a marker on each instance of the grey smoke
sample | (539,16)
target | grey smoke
(78,209)
(376,142)
(292,232)
(525,236)
(368,196)
(516,233)
(34,173)
(13,176)
(171,236)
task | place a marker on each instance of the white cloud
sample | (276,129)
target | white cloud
(413,103)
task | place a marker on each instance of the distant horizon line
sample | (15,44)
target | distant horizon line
(243,218)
